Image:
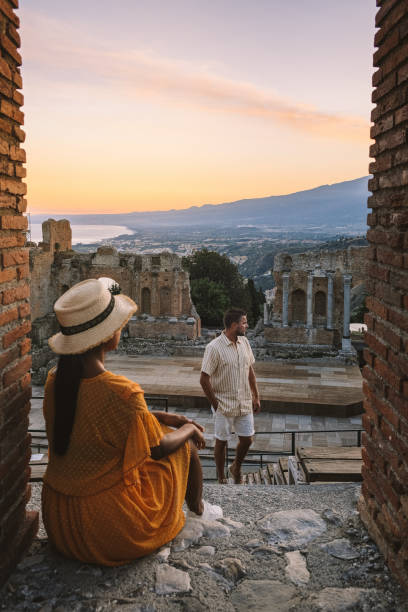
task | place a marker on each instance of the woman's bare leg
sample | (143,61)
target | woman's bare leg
(194,492)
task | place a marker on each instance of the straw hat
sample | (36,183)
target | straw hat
(89,315)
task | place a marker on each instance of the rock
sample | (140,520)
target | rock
(296,569)
(339,600)
(190,534)
(231,567)
(341,549)
(211,512)
(171,580)
(292,529)
(163,554)
(30,561)
(192,604)
(254,543)
(268,595)
(206,550)
(213,529)
(331,517)
(232,524)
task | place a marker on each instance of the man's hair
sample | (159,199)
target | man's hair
(233,315)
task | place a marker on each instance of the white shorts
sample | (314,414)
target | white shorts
(225,425)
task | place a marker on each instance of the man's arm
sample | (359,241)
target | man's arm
(208,390)
(254,389)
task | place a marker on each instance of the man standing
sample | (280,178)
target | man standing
(228,380)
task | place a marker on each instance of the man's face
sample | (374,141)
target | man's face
(242,326)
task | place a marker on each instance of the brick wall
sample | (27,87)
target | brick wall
(384,503)
(17,527)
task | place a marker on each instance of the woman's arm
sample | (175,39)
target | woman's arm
(174,420)
(173,440)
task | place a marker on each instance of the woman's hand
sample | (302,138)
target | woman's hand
(198,438)
(175,420)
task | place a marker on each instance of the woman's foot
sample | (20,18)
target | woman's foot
(197,508)
(223,481)
(235,473)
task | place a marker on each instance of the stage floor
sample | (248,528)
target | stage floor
(285,388)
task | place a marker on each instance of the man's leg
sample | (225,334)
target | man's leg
(242,449)
(194,492)
(219,456)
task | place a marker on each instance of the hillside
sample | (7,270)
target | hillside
(340,204)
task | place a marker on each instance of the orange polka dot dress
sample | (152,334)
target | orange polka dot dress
(106,501)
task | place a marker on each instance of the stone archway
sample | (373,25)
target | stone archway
(298,311)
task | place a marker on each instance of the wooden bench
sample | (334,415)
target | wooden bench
(330,463)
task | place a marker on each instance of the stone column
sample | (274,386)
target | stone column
(330,276)
(346,342)
(266,313)
(285,299)
(309,299)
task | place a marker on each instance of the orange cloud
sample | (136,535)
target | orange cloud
(48,43)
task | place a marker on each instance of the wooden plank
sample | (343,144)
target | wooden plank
(334,470)
(271,470)
(265,476)
(283,468)
(257,478)
(37,471)
(328,452)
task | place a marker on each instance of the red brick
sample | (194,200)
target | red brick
(10,47)
(399,319)
(8,12)
(12,240)
(17,371)
(7,275)
(26,381)
(394,178)
(381,90)
(7,357)
(7,316)
(13,34)
(24,310)
(15,257)
(383,125)
(378,271)
(14,222)
(376,307)
(12,185)
(16,333)
(16,293)
(388,44)
(387,374)
(377,347)
(383,162)
(388,141)
(17,80)
(388,412)
(25,346)
(19,133)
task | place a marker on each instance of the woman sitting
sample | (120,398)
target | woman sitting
(117,474)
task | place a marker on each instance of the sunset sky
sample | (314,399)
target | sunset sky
(158,104)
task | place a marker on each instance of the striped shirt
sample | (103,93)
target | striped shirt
(227,364)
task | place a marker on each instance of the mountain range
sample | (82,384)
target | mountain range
(336,205)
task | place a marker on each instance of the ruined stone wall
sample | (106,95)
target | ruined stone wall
(17,527)
(297,267)
(384,505)
(157,283)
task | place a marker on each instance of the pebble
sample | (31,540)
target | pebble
(163,554)
(231,568)
(341,549)
(296,570)
(269,595)
(171,580)
(206,550)
(331,517)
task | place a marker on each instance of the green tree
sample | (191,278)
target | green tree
(211,266)
(257,299)
(210,299)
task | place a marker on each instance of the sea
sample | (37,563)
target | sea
(85,233)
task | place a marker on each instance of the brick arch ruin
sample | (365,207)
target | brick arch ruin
(384,502)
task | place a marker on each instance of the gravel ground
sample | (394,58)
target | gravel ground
(233,565)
